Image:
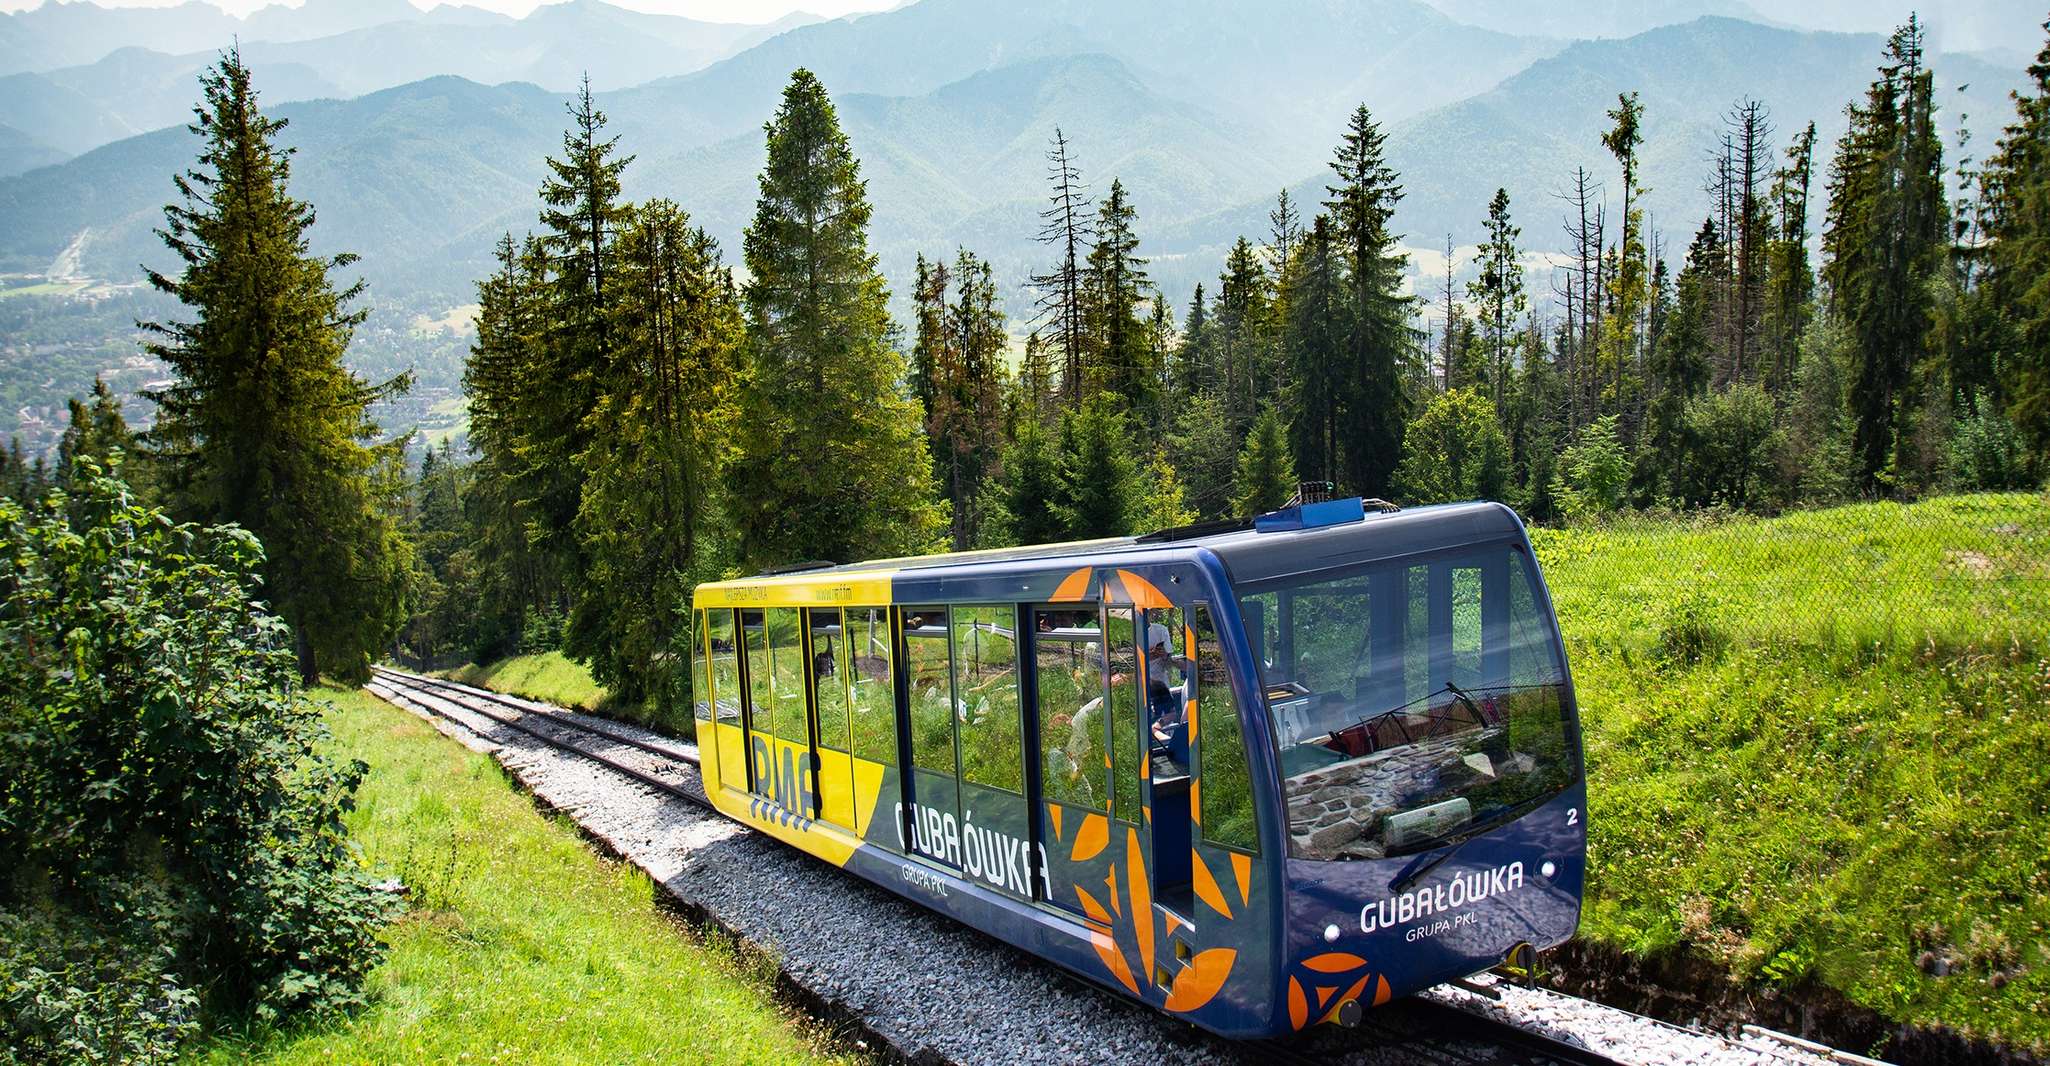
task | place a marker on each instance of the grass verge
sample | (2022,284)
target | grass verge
(522,946)
(1819,750)
(539,676)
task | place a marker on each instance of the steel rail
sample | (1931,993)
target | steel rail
(614,765)
(1540,1047)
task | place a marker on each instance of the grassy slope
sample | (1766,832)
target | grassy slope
(523,946)
(1850,781)
(542,676)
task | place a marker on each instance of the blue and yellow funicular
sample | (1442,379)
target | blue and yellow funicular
(1259,778)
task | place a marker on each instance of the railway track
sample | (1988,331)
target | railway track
(1417,1030)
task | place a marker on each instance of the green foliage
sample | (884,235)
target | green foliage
(833,465)
(72,993)
(1843,793)
(1597,470)
(1497,293)
(521,944)
(1987,453)
(1314,342)
(649,517)
(1731,449)
(1205,453)
(1266,474)
(160,786)
(262,425)
(1455,450)
(1161,503)
(1032,485)
(1884,244)
(1382,342)
(1097,472)
(1122,363)
(957,372)
(2016,214)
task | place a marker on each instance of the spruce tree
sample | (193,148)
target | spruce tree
(2016,184)
(1032,485)
(1375,404)
(1317,332)
(263,425)
(832,465)
(581,217)
(1883,246)
(1205,452)
(1116,287)
(1266,475)
(1240,336)
(649,514)
(95,432)
(1097,472)
(1066,228)
(1497,294)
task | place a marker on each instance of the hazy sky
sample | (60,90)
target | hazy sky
(712,10)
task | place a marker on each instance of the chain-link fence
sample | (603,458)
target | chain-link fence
(1956,572)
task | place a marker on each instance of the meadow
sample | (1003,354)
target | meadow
(1817,749)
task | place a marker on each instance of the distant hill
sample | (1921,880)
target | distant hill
(1290,68)
(77,32)
(1529,133)
(422,178)
(1586,19)
(134,89)
(20,152)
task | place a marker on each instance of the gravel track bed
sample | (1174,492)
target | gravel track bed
(934,991)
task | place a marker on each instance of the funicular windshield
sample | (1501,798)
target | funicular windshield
(1414,702)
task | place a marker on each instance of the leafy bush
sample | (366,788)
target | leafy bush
(71,994)
(1454,450)
(1597,469)
(160,788)
(1987,453)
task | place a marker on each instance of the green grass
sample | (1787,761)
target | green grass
(522,945)
(1819,749)
(542,676)
(43,288)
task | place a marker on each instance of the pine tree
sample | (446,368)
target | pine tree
(1681,364)
(1618,348)
(2016,191)
(1266,477)
(1882,246)
(1116,285)
(1374,405)
(581,216)
(262,425)
(1497,293)
(833,465)
(1097,474)
(649,511)
(1239,335)
(1316,344)
(1066,228)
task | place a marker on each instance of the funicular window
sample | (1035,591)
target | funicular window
(761,705)
(1226,796)
(726,696)
(986,695)
(1413,702)
(1125,687)
(786,663)
(829,670)
(927,673)
(1074,762)
(872,696)
(700,672)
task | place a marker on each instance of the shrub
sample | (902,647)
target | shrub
(1987,453)
(1597,469)
(160,784)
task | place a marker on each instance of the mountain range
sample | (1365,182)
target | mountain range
(1202,111)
